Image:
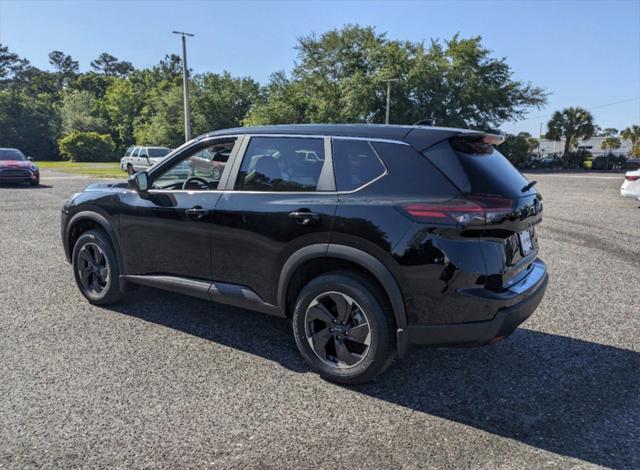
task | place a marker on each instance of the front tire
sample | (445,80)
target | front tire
(95,268)
(344,328)
(130,169)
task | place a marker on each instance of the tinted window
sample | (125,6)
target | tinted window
(281,164)
(158,152)
(11,154)
(128,152)
(135,152)
(492,173)
(355,163)
(411,174)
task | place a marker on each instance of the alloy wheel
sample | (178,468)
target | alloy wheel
(337,330)
(93,269)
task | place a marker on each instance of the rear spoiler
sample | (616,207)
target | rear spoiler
(422,138)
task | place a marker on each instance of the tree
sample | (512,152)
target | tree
(610,144)
(110,65)
(571,124)
(608,132)
(221,101)
(66,69)
(11,65)
(632,134)
(122,105)
(80,112)
(340,77)
(516,148)
(161,121)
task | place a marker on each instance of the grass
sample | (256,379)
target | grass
(99,170)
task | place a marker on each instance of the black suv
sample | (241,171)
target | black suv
(371,238)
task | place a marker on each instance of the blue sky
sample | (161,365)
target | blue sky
(585,53)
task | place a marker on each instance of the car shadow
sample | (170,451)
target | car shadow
(564,395)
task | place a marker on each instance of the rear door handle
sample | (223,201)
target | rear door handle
(196,213)
(305,217)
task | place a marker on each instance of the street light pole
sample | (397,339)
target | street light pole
(389,80)
(185,85)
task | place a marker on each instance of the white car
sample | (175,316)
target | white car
(140,158)
(631,186)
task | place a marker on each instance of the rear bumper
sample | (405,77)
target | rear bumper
(630,194)
(518,303)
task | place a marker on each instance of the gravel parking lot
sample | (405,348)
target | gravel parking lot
(169,381)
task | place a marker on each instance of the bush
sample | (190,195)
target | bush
(609,162)
(573,160)
(87,147)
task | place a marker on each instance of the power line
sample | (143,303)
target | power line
(588,109)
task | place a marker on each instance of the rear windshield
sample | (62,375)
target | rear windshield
(492,173)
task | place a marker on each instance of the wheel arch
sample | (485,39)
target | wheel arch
(87,220)
(351,255)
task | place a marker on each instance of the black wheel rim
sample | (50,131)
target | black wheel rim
(93,269)
(337,330)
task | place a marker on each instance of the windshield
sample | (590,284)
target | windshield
(158,152)
(11,154)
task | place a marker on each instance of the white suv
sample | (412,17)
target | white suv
(140,158)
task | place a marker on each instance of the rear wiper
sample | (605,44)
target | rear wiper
(529,186)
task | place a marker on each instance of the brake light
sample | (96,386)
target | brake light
(473,209)
(632,178)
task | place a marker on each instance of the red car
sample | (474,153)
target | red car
(15,167)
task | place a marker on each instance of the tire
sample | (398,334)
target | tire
(130,169)
(95,268)
(35,183)
(319,335)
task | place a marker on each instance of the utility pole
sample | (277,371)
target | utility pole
(185,85)
(389,80)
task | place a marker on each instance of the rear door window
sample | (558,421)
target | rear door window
(281,164)
(355,163)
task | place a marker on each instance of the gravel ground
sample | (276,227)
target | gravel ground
(169,381)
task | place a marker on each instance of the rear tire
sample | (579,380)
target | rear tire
(95,268)
(352,347)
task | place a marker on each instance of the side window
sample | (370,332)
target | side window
(135,151)
(355,163)
(128,152)
(143,152)
(281,164)
(201,170)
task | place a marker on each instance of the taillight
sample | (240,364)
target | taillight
(473,209)
(632,178)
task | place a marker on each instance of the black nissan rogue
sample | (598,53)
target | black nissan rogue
(370,238)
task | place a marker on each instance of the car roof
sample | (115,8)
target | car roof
(423,136)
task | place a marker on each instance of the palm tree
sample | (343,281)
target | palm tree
(632,134)
(572,124)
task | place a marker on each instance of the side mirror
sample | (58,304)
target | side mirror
(140,182)
(30,159)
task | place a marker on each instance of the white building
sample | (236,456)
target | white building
(593,145)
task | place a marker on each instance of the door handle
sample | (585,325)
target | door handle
(303,217)
(196,213)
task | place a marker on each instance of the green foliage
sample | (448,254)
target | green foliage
(632,134)
(80,111)
(571,124)
(87,147)
(221,101)
(340,77)
(110,65)
(610,143)
(516,148)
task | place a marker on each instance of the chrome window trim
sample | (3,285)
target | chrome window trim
(384,173)
(233,172)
